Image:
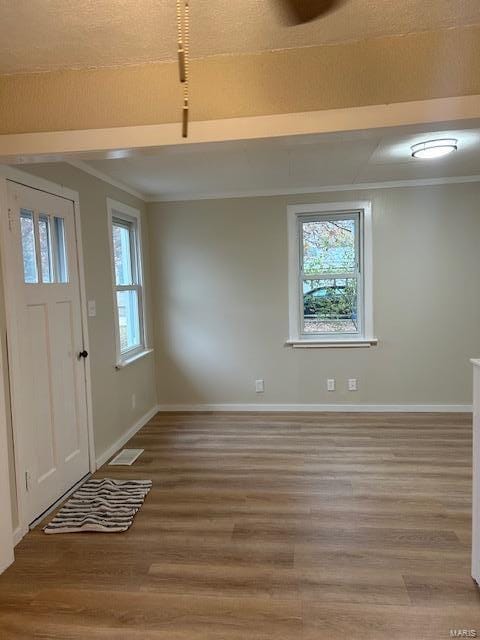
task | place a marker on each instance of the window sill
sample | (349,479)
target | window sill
(138,356)
(329,344)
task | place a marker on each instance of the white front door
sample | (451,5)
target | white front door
(47,367)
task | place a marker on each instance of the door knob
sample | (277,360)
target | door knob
(83,354)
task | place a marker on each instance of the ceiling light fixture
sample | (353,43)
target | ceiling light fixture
(434,148)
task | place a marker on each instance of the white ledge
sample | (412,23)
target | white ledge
(328,344)
(475,362)
(124,363)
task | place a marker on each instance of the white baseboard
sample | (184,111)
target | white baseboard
(106,455)
(376,408)
(18,534)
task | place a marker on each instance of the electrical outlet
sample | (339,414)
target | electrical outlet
(92,309)
(352,384)
(259,386)
(134,401)
(331,384)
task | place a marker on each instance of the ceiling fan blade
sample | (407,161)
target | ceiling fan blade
(299,11)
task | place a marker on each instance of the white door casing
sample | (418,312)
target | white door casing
(476,473)
(47,375)
(6,542)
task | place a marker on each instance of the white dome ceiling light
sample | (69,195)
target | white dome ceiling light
(434,148)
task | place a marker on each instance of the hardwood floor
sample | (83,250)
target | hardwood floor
(268,526)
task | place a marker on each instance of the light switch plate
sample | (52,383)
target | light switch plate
(92,308)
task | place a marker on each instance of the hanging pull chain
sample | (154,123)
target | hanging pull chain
(183,26)
(187,75)
(181,50)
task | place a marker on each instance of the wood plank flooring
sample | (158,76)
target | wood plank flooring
(268,527)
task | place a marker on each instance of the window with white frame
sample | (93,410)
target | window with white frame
(126,249)
(330,278)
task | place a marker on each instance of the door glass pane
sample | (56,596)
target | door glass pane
(128,320)
(122,252)
(27,230)
(329,246)
(61,263)
(330,305)
(45,248)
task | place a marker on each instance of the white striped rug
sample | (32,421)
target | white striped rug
(102,505)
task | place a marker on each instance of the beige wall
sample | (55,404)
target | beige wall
(384,70)
(220,277)
(111,389)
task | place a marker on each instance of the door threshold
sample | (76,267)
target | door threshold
(52,507)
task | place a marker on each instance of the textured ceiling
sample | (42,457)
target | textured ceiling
(40,35)
(291,163)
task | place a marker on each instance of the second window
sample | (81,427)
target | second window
(127,274)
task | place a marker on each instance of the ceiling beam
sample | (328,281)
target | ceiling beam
(125,141)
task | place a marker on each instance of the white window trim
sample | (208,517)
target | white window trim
(120,210)
(129,359)
(295,338)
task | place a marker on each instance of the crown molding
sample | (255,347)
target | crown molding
(363,186)
(84,166)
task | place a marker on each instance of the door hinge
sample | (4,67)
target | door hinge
(10,220)
(27,480)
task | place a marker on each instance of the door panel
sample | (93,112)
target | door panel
(65,356)
(39,382)
(48,390)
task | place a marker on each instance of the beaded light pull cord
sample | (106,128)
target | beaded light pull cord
(183,26)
